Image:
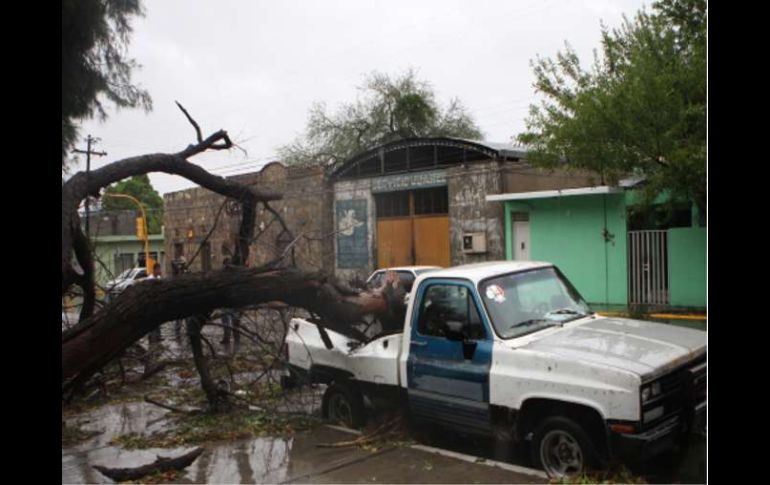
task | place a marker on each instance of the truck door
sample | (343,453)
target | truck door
(447,376)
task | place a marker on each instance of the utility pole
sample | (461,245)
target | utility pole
(88,153)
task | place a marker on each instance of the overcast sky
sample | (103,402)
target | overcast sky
(254,68)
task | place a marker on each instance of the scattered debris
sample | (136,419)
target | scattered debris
(172,408)
(392,429)
(72,435)
(161,464)
(194,429)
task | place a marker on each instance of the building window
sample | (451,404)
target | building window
(393,204)
(425,201)
(431,201)
(123,261)
(140,258)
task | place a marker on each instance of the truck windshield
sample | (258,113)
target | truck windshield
(521,303)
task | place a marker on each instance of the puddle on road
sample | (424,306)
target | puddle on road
(114,420)
(256,460)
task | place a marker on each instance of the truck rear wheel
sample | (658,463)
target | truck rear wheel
(561,447)
(344,404)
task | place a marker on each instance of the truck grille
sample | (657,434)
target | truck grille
(681,390)
(698,376)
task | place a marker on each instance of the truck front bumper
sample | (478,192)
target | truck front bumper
(663,437)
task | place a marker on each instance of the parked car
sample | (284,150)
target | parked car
(127,278)
(511,350)
(407,275)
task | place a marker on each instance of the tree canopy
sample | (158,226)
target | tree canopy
(640,110)
(139,187)
(389,109)
(95,66)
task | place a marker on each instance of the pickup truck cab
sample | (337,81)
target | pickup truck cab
(511,350)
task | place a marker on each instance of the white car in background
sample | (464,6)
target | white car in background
(407,275)
(127,278)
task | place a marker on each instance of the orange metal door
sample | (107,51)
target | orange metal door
(394,242)
(431,240)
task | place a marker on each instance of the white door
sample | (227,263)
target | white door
(521,240)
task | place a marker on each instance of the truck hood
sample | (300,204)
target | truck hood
(647,349)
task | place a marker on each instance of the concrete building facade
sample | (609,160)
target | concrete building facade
(411,202)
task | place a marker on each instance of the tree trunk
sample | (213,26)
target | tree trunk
(92,343)
(217,402)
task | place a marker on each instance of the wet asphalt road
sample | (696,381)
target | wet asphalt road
(295,459)
(298,459)
(687,465)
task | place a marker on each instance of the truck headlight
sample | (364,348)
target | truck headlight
(650,391)
(653,414)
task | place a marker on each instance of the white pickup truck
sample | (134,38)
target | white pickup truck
(511,350)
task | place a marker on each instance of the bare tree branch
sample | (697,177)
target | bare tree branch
(80,186)
(192,121)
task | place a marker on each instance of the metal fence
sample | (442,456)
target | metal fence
(648,268)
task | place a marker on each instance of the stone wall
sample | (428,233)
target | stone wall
(522,177)
(306,208)
(469,211)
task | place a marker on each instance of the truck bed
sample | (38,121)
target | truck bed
(373,362)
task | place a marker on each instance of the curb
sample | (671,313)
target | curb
(482,461)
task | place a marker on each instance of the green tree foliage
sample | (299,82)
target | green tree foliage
(640,109)
(140,188)
(94,66)
(389,109)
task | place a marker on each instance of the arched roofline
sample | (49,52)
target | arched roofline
(489,151)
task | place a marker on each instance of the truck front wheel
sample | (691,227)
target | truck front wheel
(561,447)
(343,403)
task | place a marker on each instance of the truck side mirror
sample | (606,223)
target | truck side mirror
(453,330)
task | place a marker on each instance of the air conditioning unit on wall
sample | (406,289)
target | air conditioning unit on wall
(474,242)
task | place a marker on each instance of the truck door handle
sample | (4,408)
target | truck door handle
(421,343)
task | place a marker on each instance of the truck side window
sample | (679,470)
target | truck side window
(442,303)
(407,280)
(376,280)
(475,329)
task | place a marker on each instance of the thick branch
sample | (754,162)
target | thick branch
(79,186)
(94,342)
(86,281)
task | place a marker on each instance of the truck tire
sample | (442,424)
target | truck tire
(561,447)
(343,404)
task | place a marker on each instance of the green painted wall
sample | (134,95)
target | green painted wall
(106,247)
(568,231)
(687,266)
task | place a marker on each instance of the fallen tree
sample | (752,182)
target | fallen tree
(82,184)
(102,335)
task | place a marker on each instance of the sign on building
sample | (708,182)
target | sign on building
(352,233)
(408,181)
